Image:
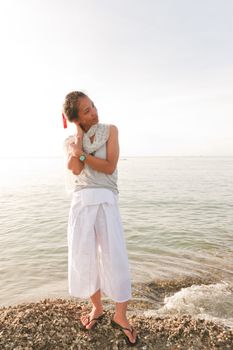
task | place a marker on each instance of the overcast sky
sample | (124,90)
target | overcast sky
(161,70)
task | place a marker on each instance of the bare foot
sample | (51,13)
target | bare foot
(125,323)
(86,318)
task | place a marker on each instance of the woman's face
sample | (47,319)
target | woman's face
(87,113)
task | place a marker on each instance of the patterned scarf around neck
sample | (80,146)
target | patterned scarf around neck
(101,132)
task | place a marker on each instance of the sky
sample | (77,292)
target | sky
(160,70)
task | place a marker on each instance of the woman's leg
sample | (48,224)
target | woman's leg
(120,318)
(114,269)
(97,310)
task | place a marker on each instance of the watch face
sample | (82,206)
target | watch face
(82,157)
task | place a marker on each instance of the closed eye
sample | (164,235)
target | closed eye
(88,109)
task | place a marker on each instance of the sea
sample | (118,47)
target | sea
(177,214)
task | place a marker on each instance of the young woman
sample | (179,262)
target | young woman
(97,256)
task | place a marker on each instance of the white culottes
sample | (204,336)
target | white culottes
(97,256)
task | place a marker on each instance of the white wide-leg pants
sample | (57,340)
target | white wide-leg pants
(97,256)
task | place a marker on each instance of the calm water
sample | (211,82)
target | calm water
(177,214)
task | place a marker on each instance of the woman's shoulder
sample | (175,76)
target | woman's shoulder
(68,141)
(113,130)
(109,127)
(113,127)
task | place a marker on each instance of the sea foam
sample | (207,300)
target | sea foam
(213,302)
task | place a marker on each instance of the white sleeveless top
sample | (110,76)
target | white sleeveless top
(90,178)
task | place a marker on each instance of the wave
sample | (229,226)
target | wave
(200,298)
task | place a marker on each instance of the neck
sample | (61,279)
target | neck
(86,127)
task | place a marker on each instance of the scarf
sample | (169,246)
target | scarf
(101,132)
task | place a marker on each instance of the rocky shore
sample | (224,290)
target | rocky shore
(53,324)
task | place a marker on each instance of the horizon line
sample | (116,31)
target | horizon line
(123,156)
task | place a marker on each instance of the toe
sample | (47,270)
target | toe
(132,336)
(90,324)
(84,319)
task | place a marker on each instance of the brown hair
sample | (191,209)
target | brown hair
(70,106)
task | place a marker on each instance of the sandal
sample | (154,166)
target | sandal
(117,325)
(92,319)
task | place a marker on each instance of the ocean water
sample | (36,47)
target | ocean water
(177,214)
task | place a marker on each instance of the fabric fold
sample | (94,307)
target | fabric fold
(97,256)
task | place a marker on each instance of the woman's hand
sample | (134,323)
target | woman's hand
(77,145)
(80,131)
(75,148)
(75,151)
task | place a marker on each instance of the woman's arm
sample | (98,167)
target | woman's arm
(73,162)
(107,165)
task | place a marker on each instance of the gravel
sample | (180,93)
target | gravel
(54,324)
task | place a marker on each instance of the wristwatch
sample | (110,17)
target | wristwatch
(82,157)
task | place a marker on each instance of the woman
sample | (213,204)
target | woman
(97,256)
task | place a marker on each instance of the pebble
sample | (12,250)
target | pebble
(53,324)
